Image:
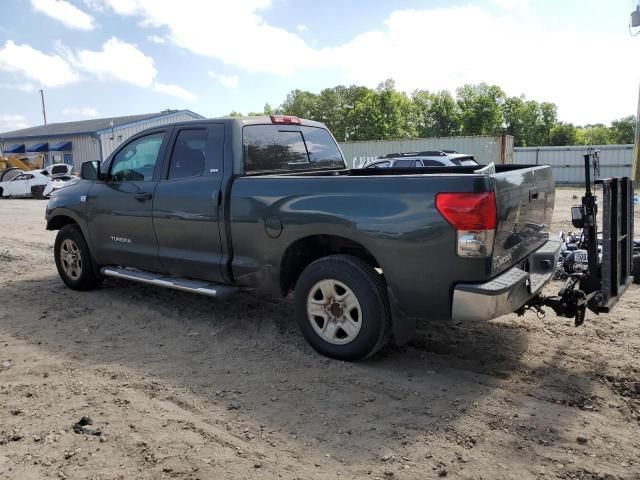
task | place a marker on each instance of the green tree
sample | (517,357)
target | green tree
(396,112)
(302,104)
(597,134)
(481,109)
(233,113)
(435,114)
(563,134)
(549,117)
(623,130)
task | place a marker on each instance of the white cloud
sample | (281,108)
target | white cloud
(118,60)
(12,122)
(156,39)
(504,43)
(65,12)
(175,91)
(233,33)
(23,87)
(81,112)
(43,69)
(229,81)
(522,55)
(302,27)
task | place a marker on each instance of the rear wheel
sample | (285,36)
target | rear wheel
(342,308)
(73,260)
(636,269)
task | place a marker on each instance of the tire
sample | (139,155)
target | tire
(342,328)
(71,250)
(636,269)
(37,192)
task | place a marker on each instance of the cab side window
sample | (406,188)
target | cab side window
(137,160)
(189,154)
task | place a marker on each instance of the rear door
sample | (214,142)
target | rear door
(119,209)
(186,210)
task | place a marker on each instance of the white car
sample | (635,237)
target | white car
(22,184)
(57,182)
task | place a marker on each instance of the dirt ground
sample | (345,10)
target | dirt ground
(182,386)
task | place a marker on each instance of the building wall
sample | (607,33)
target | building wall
(111,140)
(84,147)
(486,149)
(568,162)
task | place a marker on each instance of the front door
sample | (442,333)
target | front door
(186,204)
(120,208)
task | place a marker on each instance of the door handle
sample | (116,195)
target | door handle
(143,197)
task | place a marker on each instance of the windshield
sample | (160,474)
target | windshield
(278,147)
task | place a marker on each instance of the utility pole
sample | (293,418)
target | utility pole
(44,111)
(634,21)
(636,148)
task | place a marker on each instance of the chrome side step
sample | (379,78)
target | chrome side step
(187,285)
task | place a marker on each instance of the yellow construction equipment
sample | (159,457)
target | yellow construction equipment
(23,163)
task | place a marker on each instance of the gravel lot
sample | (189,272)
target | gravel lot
(182,386)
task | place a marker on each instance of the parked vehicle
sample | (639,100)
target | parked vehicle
(57,182)
(32,183)
(448,158)
(210,206)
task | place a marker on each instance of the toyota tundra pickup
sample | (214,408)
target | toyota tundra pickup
(210,206)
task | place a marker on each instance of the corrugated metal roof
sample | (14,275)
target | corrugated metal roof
(85,126)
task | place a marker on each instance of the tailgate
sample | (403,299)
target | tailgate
(524,204)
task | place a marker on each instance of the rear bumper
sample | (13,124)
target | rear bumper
(508,291)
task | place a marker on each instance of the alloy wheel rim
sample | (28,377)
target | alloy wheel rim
(71,259)
(334,312)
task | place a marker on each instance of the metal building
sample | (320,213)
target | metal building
(77,142)
(568,162)
(484,148)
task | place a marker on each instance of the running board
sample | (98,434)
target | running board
(187,285)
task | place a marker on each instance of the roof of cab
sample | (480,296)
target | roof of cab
(253,120)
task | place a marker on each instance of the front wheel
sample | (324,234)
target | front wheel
(73,260)
(342,308)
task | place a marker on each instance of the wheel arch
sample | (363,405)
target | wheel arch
(302,252)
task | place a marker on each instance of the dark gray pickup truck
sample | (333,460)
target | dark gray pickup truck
(209,206)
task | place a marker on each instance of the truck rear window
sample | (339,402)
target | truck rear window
(277,148)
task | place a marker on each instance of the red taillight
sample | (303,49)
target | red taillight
(468,211)
(285,119)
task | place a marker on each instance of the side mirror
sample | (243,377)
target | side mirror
(90,170)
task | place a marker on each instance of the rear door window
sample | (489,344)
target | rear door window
(189,154)
(404,163)
(323,151)
(432,163)
(274,148)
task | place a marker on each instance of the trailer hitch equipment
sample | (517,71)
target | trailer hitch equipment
(599,287)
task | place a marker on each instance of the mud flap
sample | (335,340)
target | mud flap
(403,326)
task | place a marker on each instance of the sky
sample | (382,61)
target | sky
(103,58)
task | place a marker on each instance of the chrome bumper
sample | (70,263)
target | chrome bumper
(508,291)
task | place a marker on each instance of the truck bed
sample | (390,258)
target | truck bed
(392,214)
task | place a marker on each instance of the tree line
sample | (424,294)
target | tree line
(384,113)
